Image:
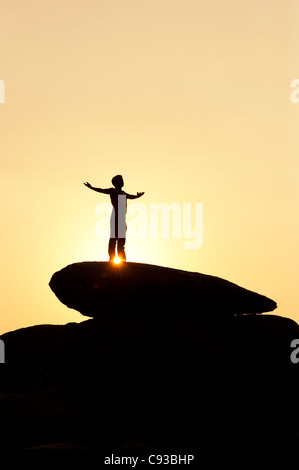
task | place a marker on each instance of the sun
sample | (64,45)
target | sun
(117,260)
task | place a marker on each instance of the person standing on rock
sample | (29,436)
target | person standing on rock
(118,225)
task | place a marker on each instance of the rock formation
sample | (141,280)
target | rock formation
(150,378)
(93,287)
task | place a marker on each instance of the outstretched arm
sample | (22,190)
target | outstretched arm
(132,196)
(99,190)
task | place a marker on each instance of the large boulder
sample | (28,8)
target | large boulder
(149,372)
(107,383)
(95,287)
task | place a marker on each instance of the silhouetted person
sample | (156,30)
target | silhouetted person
(118,225)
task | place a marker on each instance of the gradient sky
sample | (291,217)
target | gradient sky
(189,100)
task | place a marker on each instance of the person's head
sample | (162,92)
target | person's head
(117,181)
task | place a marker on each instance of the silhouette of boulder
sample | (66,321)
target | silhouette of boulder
(94,287)
(125,382)
(150,375)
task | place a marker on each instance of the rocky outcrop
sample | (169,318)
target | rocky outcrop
(150,379)
(132,382)
(95,287)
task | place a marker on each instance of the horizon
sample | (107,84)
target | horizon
(193,103)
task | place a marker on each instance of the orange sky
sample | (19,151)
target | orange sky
(189,100)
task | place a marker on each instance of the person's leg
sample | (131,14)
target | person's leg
(121,248)
(111,248)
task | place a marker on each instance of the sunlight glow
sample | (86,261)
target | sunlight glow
(117,260)
(164,123)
